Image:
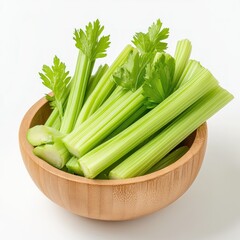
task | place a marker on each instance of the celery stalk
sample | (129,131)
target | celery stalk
(77,93)
(93,81)
(91,47)
(190,69)
(103,88)
(80,141)
(107,153)
(85,138)
(168,159)
(133,118)
(41,134)
(73,166)
(143,159)
(53,120)
(55,154)
(182,54)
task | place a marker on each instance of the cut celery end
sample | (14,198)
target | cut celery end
(55,154)
(104,87)
(169,159)
(41,134)
(191,68)
(107,153)
(143,159)
(74,167)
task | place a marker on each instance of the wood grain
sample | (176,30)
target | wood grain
(112,200)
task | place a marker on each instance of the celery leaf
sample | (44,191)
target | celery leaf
(89,43)
(152,40)
(158,80)
(131,74)
(56,79)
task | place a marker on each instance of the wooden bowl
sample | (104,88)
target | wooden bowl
(111,199)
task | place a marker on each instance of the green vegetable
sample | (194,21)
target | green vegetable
(93,81)
(40,134)
(129,76)
(55,154)
(152,39)
(107,153)
(74,167)
(169,159)
(143,159)
(147,43)
(125,119)
(182,54)
(104,87)
(133,118)
(87,136)
(91,47)
(82,140)
(56,79)
(159,80)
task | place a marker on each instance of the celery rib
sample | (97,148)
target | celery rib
(81,141)
(73,166)
(107,153)
(177,131)
(77,93)
(182,54)
(93,81)
(103,88)
(55,154)
(169,159)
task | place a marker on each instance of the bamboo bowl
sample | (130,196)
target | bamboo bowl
(111,200)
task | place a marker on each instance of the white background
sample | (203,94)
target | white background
(32,32)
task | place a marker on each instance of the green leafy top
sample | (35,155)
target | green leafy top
(152,40)
(89,43)
(159,80)
(130,75)
(56,79)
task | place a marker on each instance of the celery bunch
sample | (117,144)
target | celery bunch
(125,119)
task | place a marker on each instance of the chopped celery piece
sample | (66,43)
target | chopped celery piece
(177,131)
(80,141)
(55,154)
(40,134)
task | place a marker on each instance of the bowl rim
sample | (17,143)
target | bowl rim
(25,146)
